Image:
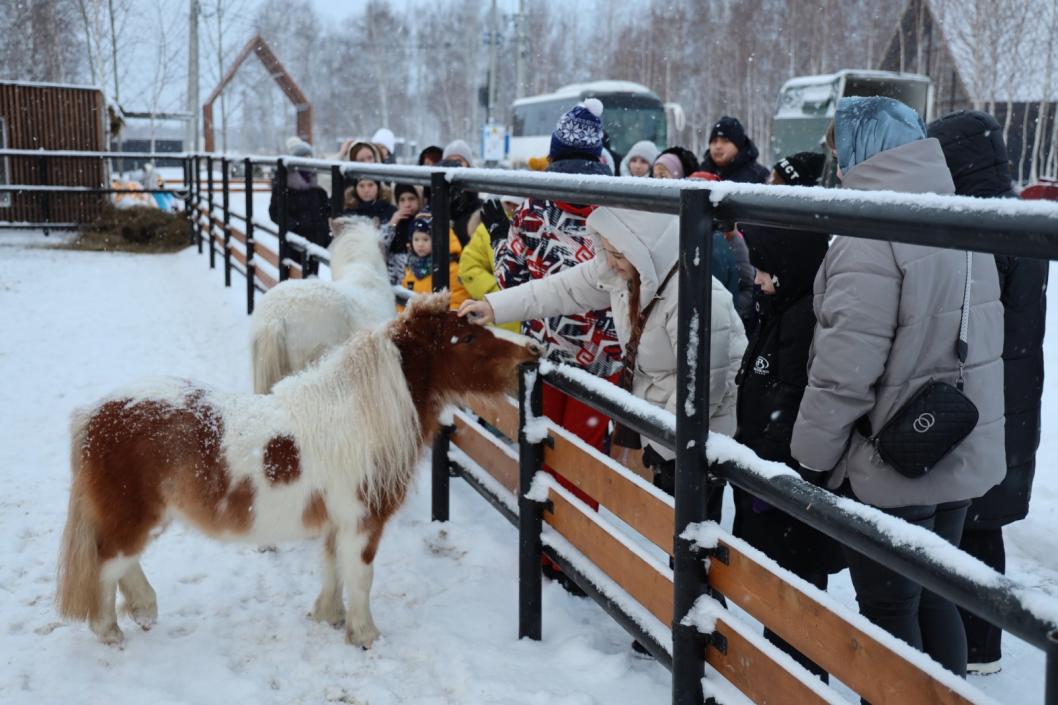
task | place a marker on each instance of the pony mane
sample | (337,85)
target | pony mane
(427,304)
(356,240)
(387,418)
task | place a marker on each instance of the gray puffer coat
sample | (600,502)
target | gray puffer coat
(650,241)
(888,318)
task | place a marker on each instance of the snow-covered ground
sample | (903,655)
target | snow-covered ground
(232,626)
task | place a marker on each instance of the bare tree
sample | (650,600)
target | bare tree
(41,41)
(229,33)
(1050,23)
(88,43)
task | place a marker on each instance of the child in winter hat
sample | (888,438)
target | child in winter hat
(578,134)
(418,273)
(384,137)
(577,141)
(458,149)
(420,250)
(801,169)
(730,129)
(668,166)
(644,153)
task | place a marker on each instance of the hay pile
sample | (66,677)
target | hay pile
(135,229)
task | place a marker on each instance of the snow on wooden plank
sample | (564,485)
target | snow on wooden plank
(487,451)
(640,575)
(759,676)
(814,610)
(500,413)
(635,501)
(868,667)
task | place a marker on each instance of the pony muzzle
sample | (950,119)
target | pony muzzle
(533,347)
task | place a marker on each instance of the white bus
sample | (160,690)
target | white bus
(631,112)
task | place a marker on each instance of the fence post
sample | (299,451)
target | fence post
(45,197)
(225,184)
(439,229)
(281,191)
(692,429)
(189,210)
(251,270)
(209,220)
(198,202)
(337,191)
(440,474)
(439,234)
(1051,676)
(530,512)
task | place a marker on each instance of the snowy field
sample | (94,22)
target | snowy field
(232,625)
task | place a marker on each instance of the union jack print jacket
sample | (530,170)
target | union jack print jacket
(547,237)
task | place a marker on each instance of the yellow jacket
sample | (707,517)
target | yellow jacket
(425,285)
(476,270)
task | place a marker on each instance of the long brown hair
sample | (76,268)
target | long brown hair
(635,319)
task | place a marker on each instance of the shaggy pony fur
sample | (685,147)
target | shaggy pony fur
(295,323)
(268,468)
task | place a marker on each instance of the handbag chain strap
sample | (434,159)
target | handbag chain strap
(962,347)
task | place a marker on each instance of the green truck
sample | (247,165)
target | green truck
(807,103)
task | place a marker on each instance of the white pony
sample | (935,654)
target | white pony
(298,321)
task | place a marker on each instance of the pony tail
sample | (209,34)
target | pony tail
(78,577)
(271,362)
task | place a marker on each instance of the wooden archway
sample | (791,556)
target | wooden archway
(271,62)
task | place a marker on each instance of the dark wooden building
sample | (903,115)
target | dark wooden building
(994,56)
(52,117)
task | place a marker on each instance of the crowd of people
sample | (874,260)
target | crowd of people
(817,341)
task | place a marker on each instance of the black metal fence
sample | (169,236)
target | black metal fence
(702,208)
(968,226)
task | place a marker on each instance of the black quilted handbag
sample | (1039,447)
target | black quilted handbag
(933,421)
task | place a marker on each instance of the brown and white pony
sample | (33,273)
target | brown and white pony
(331,452)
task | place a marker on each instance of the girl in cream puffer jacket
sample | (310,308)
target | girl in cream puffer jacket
(649,243)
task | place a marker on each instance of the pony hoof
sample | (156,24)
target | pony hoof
(335,618)
(144,616)
(363,637)
(111,636)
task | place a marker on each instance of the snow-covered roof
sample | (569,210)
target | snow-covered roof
(829,78)
(43,84)
(575,90)
(1003,49)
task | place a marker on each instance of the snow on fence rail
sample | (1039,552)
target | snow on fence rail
(502,460)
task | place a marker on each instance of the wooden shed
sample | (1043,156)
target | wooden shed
(995,57)
(51,116)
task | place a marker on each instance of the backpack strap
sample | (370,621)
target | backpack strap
(962,346)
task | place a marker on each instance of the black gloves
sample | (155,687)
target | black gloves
(494,216)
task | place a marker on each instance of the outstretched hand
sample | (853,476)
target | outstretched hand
(477,311)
